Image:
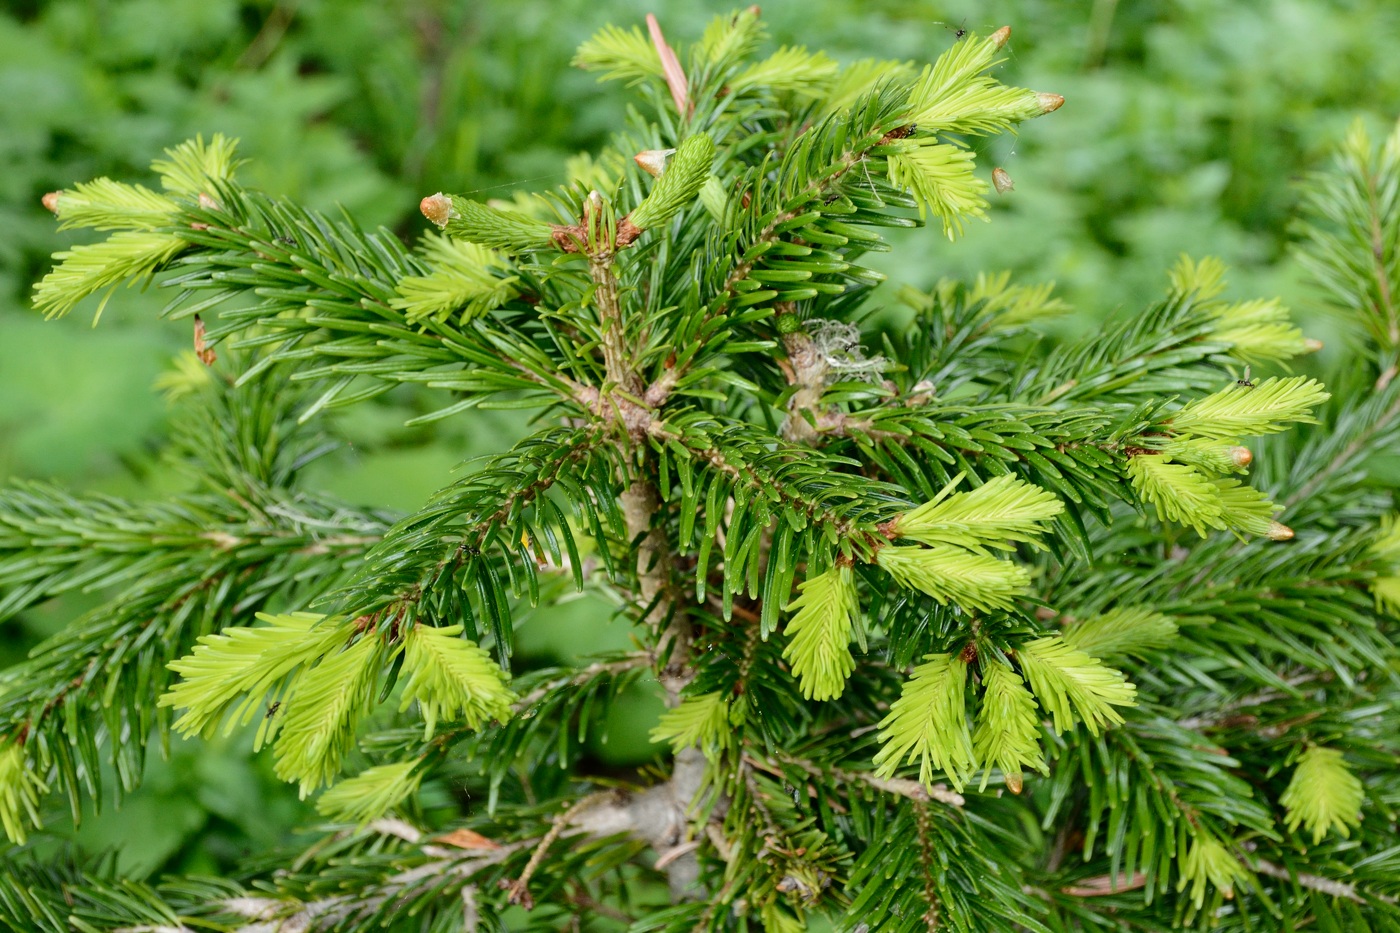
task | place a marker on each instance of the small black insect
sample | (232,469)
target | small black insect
(285,241)
(899,132)
(1245,383)
(272,709)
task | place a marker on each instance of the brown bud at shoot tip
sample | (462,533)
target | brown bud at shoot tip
(1014,782)
(1049,103)
(1312,345)
(1242,456)
(437,208)
(1279,532)
(1045,613)
(999,39)
(208,203)
(201,349)
(653,161)
(1001,180)
(51,201)
(755,10)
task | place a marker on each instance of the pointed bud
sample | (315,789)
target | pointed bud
(201,349)
(437,208)
(208,203)
(1312,345)
(999,39)
(51,200)
(1242,456)
(922,391)
(1279,532)
(653,161)
(1049,103)
(1001,180)
(1014,782)
(755,10)
(592,210)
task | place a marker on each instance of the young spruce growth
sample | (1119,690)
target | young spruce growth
(959,626)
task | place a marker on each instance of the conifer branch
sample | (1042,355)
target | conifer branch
(900,787)
(1329,886)
(686,321)
(579,677)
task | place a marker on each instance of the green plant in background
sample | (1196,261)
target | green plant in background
(1000,599)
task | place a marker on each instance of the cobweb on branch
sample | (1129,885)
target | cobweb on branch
(838,344)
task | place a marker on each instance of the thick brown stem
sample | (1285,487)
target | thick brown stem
(660,816)
(807,370)
(640,504)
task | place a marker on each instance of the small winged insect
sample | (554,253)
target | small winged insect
(272,709)
(1245,383)
(1001,180)
(958,31)
(285,240)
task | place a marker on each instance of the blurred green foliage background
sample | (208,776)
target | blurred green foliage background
(1186,124)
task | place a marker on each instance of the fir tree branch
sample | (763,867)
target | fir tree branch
(580,676)
(724,451)
(519,890)
(722,423)
(489,511)
(899,787)
(1329,886)
(107,661)
(1358,446)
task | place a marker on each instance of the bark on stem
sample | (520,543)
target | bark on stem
(807,370)
(615,360)
(640,504)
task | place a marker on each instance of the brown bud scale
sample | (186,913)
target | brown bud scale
(437,208)
(653,161)
(201,349)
